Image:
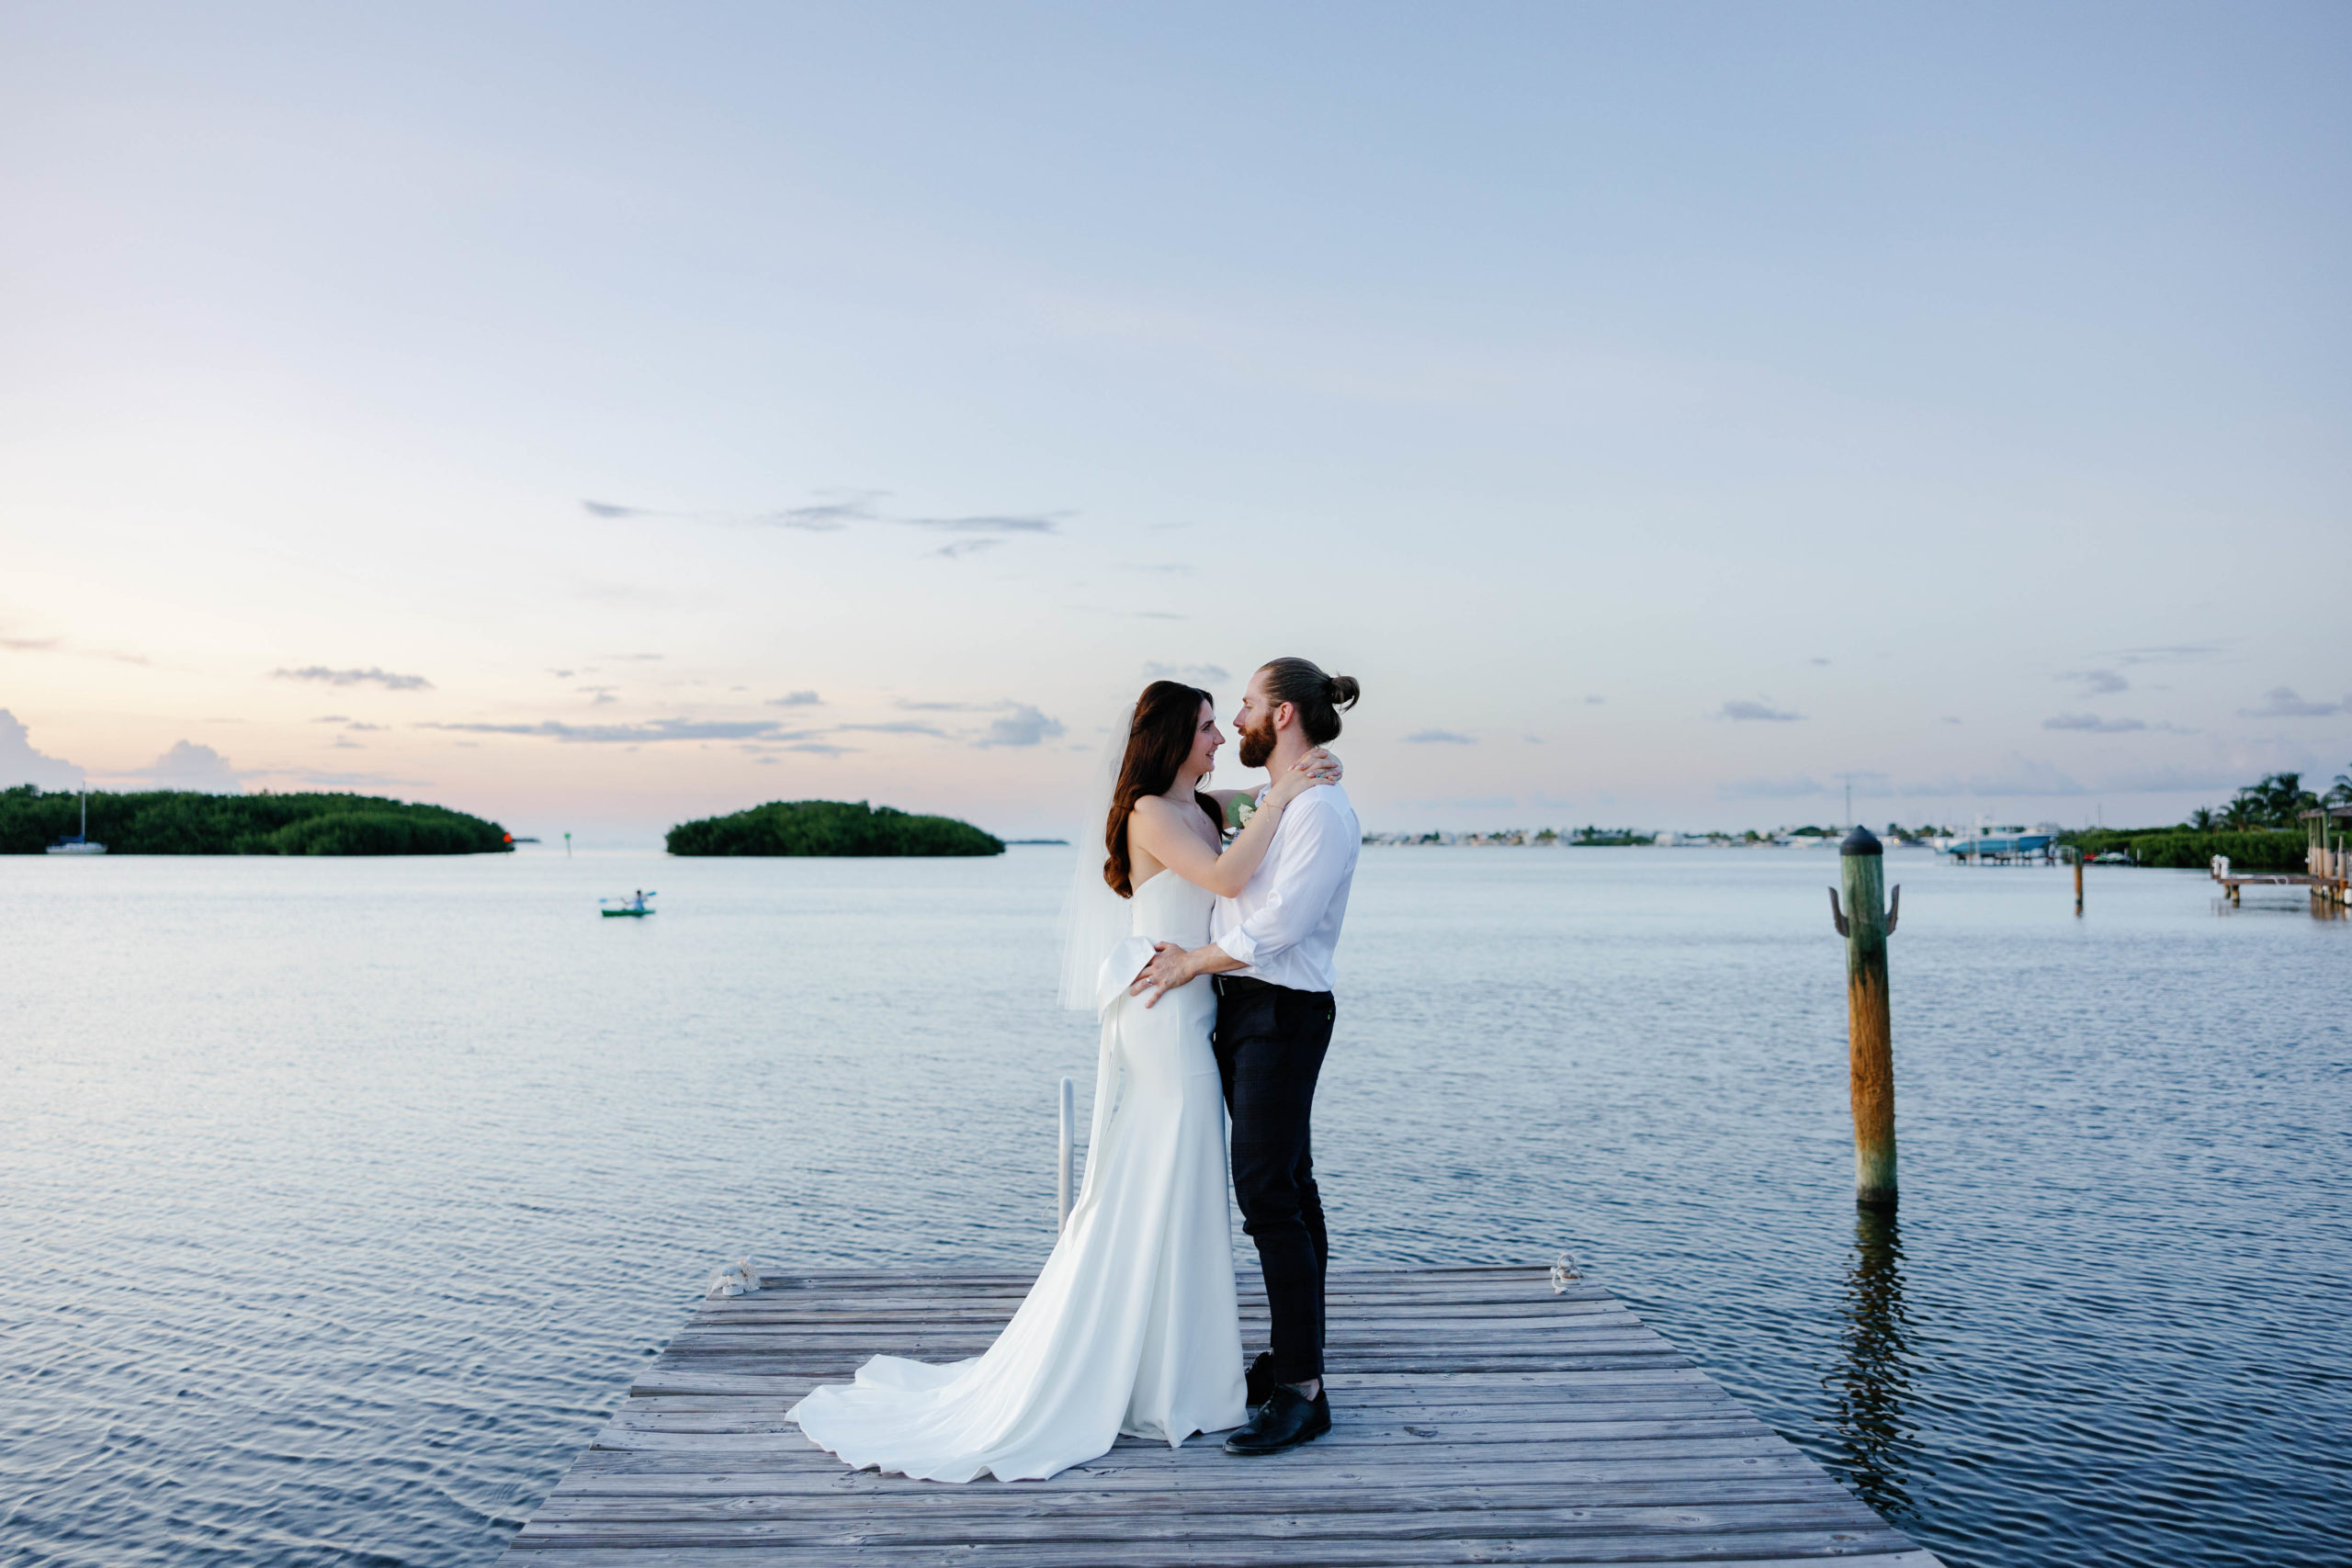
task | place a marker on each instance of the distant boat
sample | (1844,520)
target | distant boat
(2000,843)
(80,843)
(633,908)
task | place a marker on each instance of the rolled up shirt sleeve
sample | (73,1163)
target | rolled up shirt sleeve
(1314,859)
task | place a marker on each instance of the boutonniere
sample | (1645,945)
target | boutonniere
(1244,808)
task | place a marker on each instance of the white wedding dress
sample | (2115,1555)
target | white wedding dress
(1132,1326)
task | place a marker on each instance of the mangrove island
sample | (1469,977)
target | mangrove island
(829,828)
(186,822)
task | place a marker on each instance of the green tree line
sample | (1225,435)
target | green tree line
(183,822)
(2260,829)
(2277,801)
(829,828)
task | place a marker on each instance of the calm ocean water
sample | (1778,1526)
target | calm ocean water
(343,1198)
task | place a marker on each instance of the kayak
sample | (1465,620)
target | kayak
(610,914)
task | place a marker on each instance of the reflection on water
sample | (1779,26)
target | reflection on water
(342,1197)
(1870,1389)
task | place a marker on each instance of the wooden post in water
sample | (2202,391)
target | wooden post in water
(2078,879)
(1865,923)
(1069,1150)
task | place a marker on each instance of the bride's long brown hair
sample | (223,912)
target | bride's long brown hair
(1159,737)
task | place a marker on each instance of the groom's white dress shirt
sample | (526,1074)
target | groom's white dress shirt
(1286,924)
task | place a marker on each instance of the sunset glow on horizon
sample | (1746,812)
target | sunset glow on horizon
(594,419)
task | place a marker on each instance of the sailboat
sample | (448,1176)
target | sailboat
(81,843)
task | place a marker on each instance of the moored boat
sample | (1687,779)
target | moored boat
(2001,843)
(80,843)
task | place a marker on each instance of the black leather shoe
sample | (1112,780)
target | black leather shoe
(1260,1378)
(1287,1419)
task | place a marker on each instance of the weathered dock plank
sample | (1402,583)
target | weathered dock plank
(1481,1417)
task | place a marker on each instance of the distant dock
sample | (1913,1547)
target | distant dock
(1481,1417)
(2327,855)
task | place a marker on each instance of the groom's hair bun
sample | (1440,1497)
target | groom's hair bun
(1317,697)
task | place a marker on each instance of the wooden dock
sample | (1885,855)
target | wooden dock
(1480,1417)
(2324,877)
(2235,881)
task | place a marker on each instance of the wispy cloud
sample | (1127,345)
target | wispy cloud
(896,726)
(368,677)
(14,643)
(825,516)
(2174,653)
(633,734)
(1015,724)
(1439,738)
(2096,682)
(2280,702)
(991,523)
(839,510)
(795,700)
(1025,726)
(820,517)
(1741,710)
(2092,724)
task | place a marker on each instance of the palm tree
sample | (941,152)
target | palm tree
(2283,798)
(2342,794)
(2202,818)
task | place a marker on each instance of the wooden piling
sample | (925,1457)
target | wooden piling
(2078,879)
(1870,1038)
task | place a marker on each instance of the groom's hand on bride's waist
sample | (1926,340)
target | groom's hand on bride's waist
(1172,966)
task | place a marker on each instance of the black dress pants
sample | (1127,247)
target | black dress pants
(1270,1044)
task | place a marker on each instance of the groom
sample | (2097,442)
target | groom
(1271,949)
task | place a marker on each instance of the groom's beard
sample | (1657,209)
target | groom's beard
(1257,745)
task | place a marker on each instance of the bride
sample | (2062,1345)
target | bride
(1132,1326)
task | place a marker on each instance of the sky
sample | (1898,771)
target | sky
(599,416)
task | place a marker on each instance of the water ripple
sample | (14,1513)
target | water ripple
(345,1198)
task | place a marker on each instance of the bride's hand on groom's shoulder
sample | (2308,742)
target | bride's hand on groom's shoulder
(1317,767)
